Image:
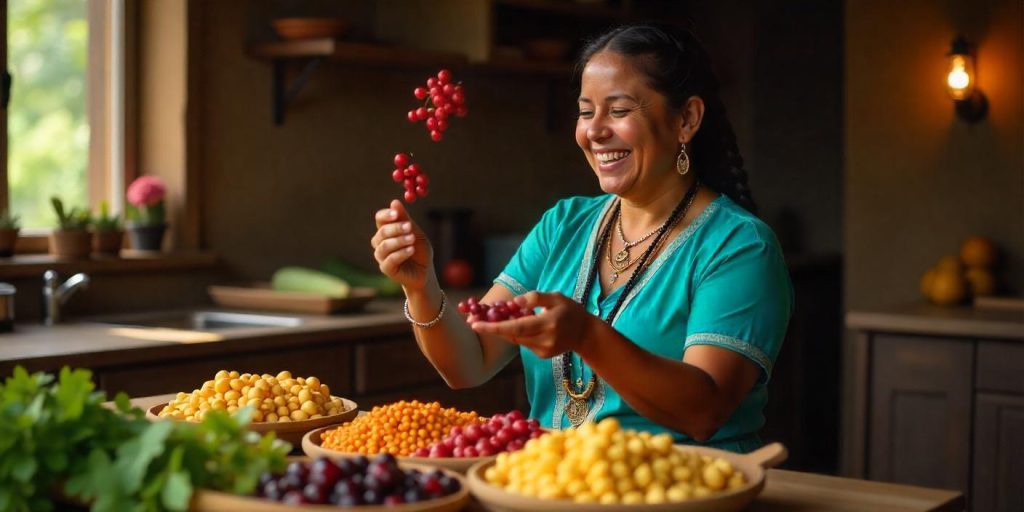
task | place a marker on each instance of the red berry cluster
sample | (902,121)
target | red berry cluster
(441,99)
(502,433)
(497,312)
(355,481)
(411,177)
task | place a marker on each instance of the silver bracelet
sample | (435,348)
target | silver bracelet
(427,325)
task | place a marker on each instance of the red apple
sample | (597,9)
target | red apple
(458,273)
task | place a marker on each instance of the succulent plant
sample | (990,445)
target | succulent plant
(8,221)
(74,219)
(105,221)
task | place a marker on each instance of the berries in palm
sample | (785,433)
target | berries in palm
(356,481)
(497,312)
(442,99)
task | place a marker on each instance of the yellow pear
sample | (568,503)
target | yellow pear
(949,263)
(978,251)
(948,288)
(981,281)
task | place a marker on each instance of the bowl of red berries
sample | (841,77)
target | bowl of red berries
(459,449)
(371,484)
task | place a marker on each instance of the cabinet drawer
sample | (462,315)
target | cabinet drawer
(392,364)
(1000,366)
(329,364)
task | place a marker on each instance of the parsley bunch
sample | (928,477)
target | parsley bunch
(58,436)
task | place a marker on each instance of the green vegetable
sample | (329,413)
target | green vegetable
(384,285)
(54,433)
(301,279)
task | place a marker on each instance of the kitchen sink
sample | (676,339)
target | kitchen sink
(203,320)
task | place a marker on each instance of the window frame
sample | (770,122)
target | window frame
(108,159)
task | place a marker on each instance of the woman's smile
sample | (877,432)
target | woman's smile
(612,161)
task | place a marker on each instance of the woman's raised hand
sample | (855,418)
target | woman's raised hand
(564,325)
(400,247)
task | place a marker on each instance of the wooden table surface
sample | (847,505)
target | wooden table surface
(805,492)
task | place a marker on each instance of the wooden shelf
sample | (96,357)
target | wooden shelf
(576,10)
(33,265)
(354,53)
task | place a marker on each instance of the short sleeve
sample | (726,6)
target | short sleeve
(523,271)
(743,303)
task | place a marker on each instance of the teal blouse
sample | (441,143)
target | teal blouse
(722,281)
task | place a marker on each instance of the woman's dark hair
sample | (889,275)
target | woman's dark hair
(679,68)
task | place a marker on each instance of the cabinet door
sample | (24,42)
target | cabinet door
(920,423)
(998,453)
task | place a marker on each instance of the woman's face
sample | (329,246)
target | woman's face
(628,133)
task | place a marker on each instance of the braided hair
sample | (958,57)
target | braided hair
(679,68)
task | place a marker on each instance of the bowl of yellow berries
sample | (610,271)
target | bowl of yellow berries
(289,406)
(600,465)
(423,433)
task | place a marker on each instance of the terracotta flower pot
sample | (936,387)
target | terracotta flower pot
(107,243)
(146,237)
(70,244)
(7,239)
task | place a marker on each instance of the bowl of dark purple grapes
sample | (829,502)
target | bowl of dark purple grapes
(365,482)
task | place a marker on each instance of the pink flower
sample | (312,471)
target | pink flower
(146,191)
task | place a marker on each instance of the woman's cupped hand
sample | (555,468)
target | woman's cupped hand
(400,247)
(562,325)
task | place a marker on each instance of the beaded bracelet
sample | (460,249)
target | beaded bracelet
(427,325)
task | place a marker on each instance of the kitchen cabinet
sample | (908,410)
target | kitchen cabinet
(939,401)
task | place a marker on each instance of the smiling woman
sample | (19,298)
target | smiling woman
(662,303)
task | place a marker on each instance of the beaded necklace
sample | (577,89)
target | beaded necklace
(577,408)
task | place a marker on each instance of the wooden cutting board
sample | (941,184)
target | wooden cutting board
(261,297)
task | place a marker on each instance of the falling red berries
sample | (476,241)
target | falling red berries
(441,99)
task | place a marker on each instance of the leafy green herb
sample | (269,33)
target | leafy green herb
(55,434)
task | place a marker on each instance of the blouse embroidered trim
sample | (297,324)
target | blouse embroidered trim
(511,283)
(731,343)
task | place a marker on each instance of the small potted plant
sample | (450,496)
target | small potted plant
(9,227)
(71,240)
(145,213)
(107,234)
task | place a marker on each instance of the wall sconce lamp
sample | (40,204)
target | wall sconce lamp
(971,104)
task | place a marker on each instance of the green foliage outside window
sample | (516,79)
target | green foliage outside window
(48,131)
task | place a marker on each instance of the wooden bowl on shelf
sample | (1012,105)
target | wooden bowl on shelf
(310,28)
(216,501)
(752,465)
(291,431)
(312,446)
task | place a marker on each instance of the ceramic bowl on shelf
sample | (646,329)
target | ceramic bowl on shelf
(547,50)
(309,28)
(291,431)
(313,447)
(215,501)
(753,466)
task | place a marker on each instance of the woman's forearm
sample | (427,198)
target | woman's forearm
(451,346)
(675,394)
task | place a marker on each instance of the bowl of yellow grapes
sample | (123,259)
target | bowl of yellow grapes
(288,405)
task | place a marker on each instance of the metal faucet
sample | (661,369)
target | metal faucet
(54,296)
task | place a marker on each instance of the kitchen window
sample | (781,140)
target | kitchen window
(64,117)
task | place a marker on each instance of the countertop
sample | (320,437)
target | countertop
(85,343)
(960,321)
(796,491)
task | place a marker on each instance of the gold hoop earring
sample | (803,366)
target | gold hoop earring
(682,161)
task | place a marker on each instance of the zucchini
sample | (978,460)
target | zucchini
(383,284)
(301,279)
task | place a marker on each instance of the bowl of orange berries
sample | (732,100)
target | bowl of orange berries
(424,433)
(289,406)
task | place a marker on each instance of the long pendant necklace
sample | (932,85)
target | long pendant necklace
(622,259)
(578,408)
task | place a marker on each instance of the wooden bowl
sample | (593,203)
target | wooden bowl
(309,28)
(290,431)
(216,501)
(548,50)
(752,465)
(311,446)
